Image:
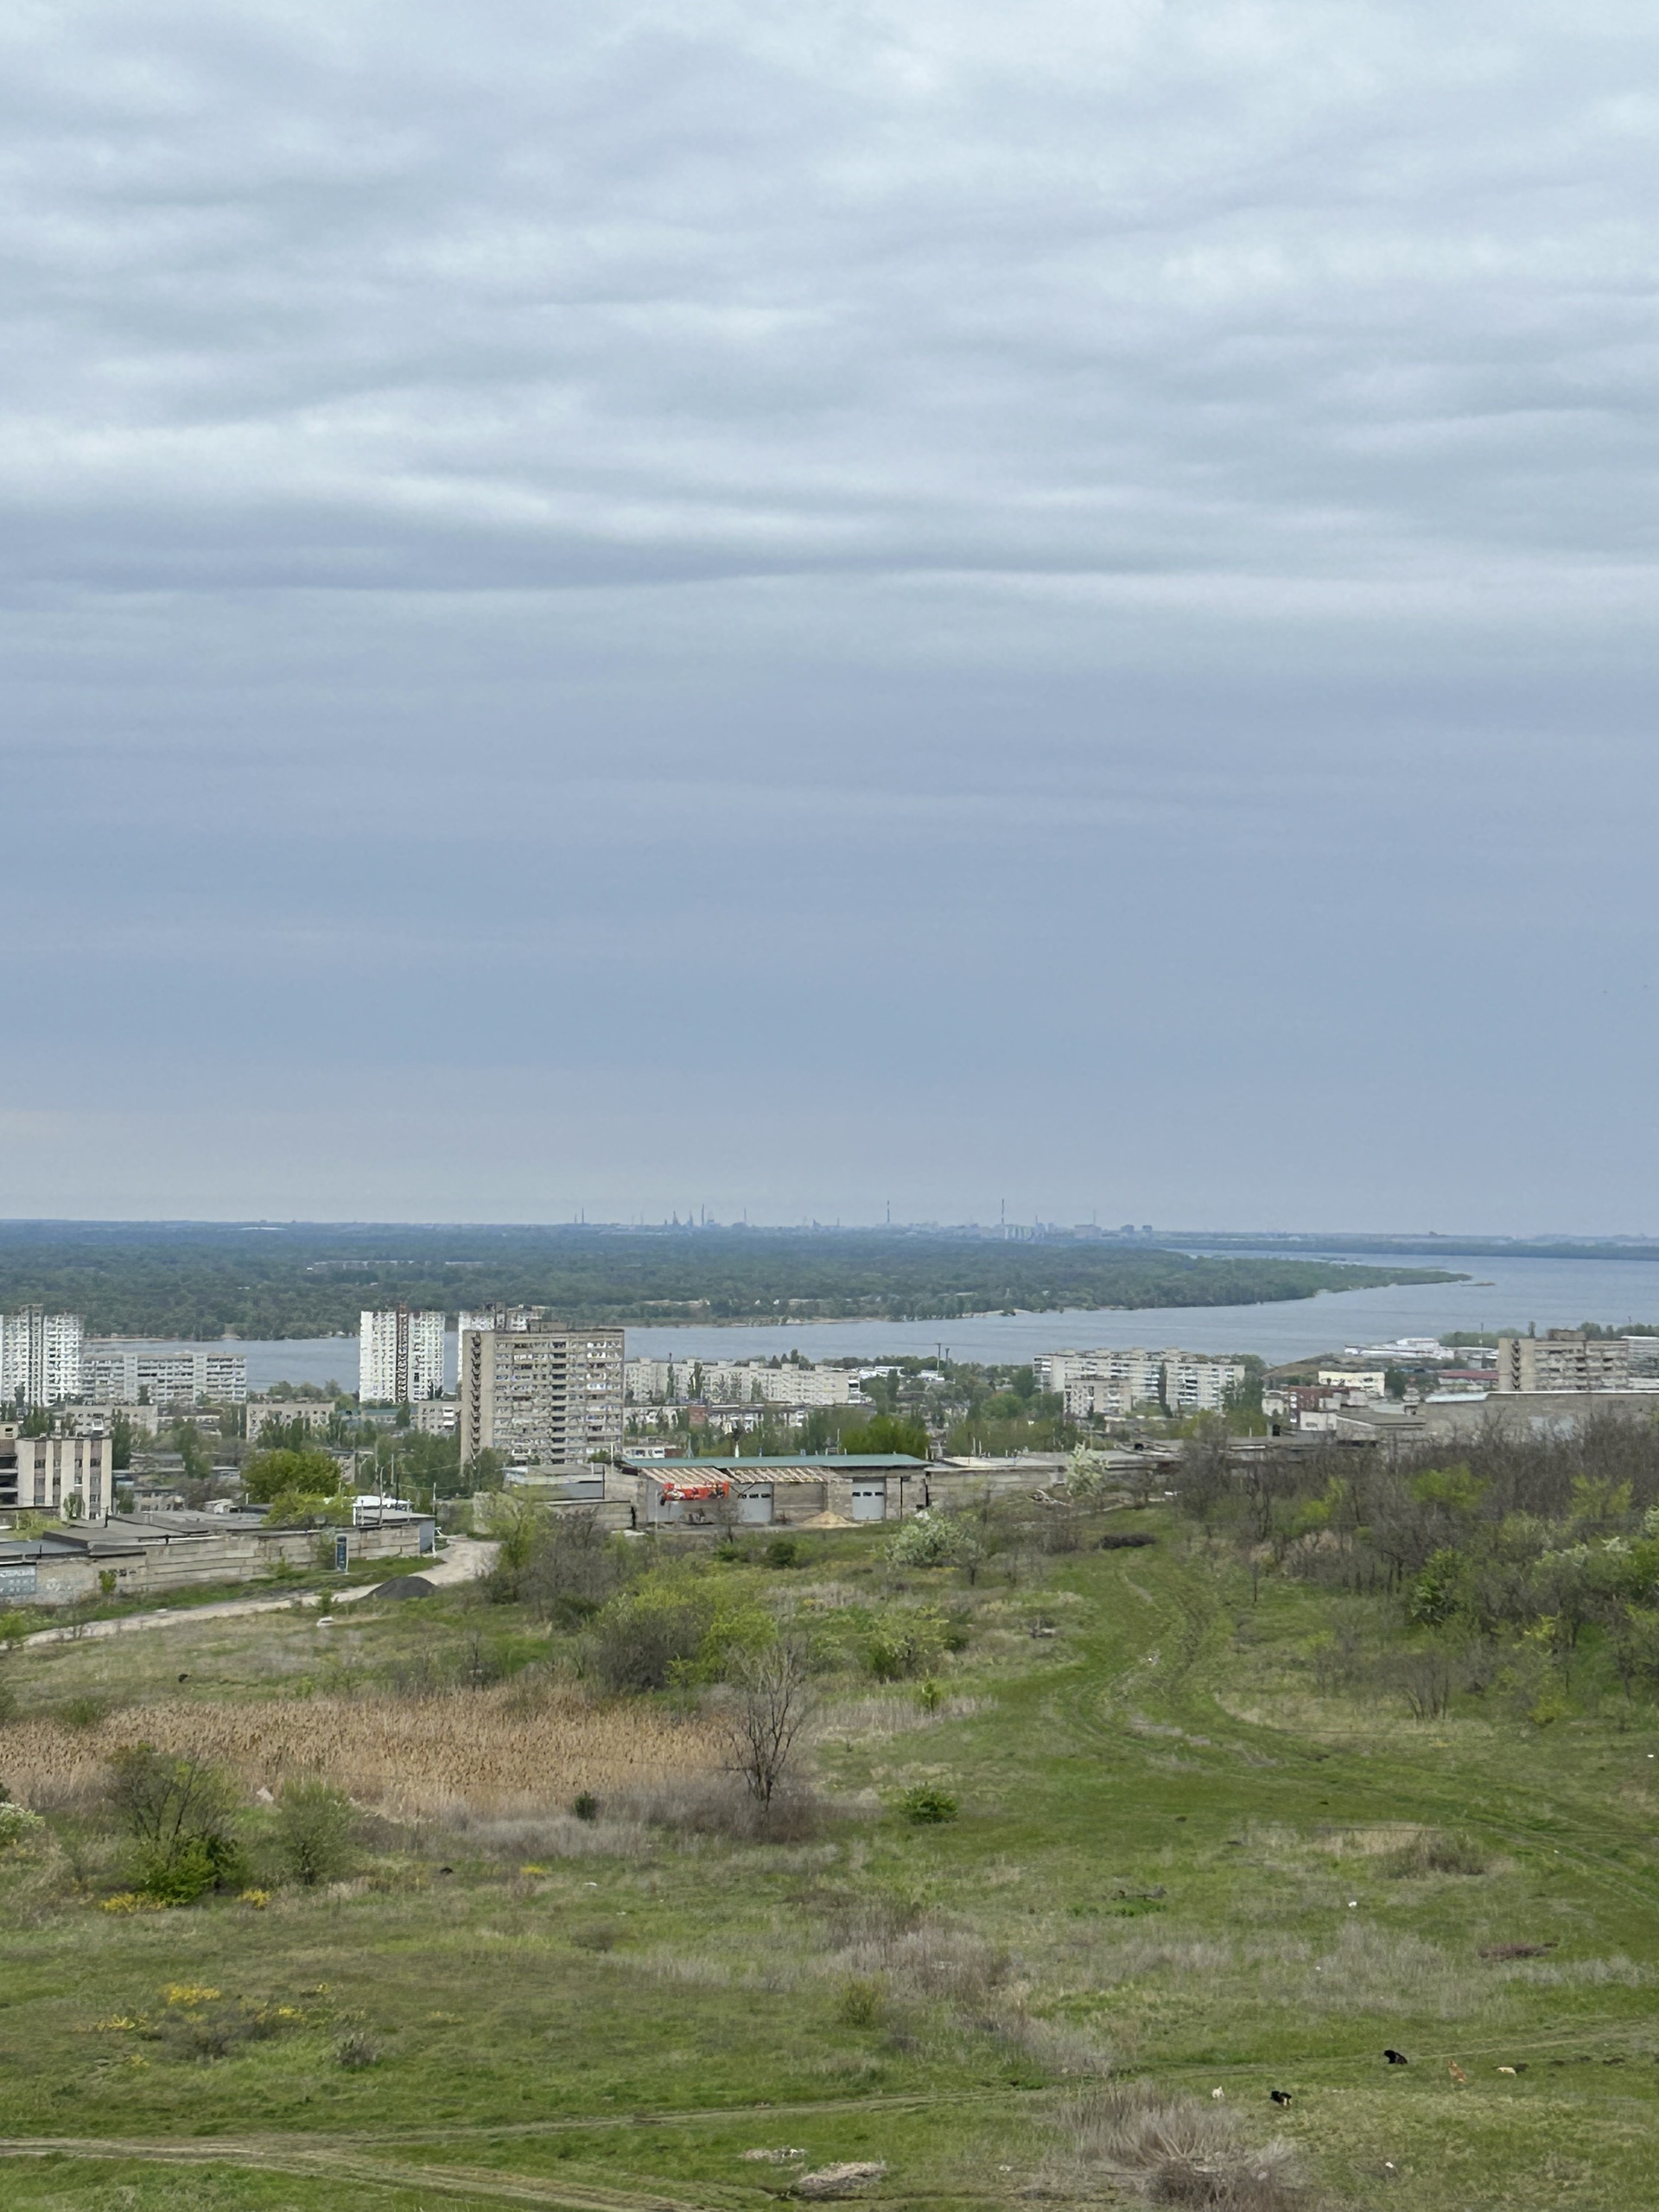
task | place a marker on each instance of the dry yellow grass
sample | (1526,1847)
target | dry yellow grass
(481,1748)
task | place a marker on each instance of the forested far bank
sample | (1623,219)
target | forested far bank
(206,1280)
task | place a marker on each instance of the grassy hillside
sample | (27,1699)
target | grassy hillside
(1174,1857)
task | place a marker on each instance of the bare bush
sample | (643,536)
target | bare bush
(771,1703)
(1425,1682)
(1176,2151)
(723,1805)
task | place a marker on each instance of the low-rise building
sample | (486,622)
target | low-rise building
(1363,1382)
(136,1556)
(313,1413)
(832,1490)
(67,1474)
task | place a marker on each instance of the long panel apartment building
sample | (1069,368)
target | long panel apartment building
(1111,1382)
(119,1377)
(1563,1359)
(399,1356)
(540,1394)
(724,1381)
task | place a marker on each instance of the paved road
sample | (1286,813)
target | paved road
(464,1558)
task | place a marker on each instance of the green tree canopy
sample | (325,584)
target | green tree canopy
(307,1473)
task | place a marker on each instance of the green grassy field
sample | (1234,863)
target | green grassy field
(1172,1858)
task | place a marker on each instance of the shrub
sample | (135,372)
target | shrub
(673,1627)
(187,1871)
(1433,1852)
(314,1832)
(934,1540)
(357,2049)
(901,1650)
(178,1812)
(17,1824)
(927,1804)
(783,1551)
(197,2026)
(860,2003)
(570,1567)
(84,1711)
(586,1806)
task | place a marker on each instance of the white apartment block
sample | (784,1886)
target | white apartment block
(1107,1381)
(399,1356)
(734,1383)
(40,1356)
(67,1476)
(115,1376)
(540,1395)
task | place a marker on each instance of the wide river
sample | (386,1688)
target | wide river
(1501,1293)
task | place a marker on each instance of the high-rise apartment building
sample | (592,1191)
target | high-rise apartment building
(400,1357)
(40,1356)
(539,1394)
(122,1377)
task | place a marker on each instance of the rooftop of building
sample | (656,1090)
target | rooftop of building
(852,1463)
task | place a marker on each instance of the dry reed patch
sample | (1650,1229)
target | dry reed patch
(409,1755)
(1172,2149)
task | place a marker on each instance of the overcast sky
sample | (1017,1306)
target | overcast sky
(789,609)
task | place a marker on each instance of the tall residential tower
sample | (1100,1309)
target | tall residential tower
(538,1393)
(400,1357)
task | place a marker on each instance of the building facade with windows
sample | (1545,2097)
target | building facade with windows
(727,1382)
(40,1356)
(68,1477)
(1563,1359)
(399,1356)
(1111,1382)
(114,1375)
(540,1395)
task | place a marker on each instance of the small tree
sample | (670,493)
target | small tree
(772,1703)
(181,1813)
(313,1832)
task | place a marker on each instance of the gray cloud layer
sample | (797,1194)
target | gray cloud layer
(920,600)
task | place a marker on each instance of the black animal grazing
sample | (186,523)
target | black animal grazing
(1280,2097)
(1396,2058)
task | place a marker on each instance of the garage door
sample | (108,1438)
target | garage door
(755,1504)
(870,1501)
